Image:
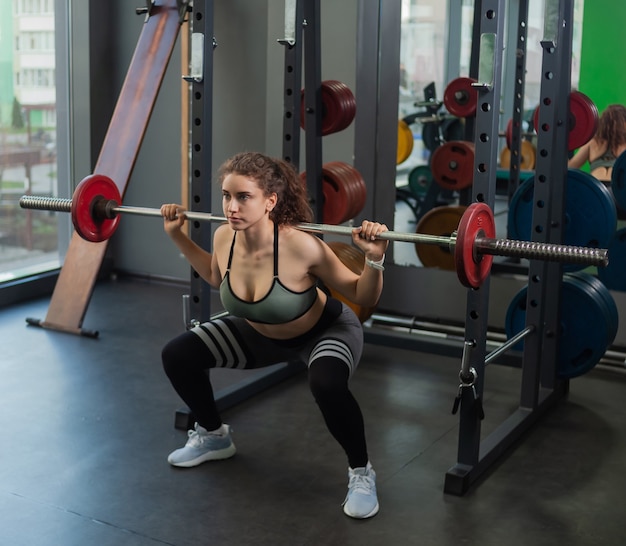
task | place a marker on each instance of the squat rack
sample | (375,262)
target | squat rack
(540,386)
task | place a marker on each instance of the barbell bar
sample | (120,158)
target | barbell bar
(95,209)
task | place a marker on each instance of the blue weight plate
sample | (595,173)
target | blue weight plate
(515,320)
(618,181)
(430,136)
(610,307)
(585,326)
(614,275)
(590,214)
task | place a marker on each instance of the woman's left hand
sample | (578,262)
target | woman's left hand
(366,238)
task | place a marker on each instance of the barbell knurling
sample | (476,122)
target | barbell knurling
(55,204)
(549,252)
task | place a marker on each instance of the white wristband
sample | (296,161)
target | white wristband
(376,265)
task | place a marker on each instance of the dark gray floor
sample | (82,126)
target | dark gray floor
(87,424)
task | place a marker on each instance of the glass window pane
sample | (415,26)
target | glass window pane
(29,242)
(422,63)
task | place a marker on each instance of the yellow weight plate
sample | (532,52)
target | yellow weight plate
(440,221)
(405,142)
(527,160)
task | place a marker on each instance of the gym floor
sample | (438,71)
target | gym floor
(87,425)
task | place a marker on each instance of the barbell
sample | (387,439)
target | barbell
(95,209)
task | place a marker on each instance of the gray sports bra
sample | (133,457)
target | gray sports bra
(278,306)
(606,160)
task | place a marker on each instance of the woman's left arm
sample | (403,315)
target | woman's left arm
(363,289)
(370,283)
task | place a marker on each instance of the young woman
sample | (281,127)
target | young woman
(267,272)
(606,146)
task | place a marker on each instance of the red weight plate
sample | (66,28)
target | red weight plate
(460,98)
(335,195)
(338,107)
(326,116)
(332,208)
(342,177)
(350,179)
(452,165)
(361,190)
(583,120)
(342,193)
(88,192)
(349,106)
(355,184)
(336,201)
(331,109)
(472,267)
(340,101)
(536,119)
(509,133)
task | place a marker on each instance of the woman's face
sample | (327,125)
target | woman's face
(243,201)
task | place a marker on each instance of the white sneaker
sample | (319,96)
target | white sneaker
(203,446)
(361,501)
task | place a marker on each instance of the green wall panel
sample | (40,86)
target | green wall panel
(603,55)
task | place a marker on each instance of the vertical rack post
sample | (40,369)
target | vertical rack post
(201,80)
(518,96)
(545,278)
(313,105)
(292,81)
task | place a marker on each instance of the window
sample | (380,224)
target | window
(29,240)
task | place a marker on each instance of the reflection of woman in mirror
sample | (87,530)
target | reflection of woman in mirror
(606,146)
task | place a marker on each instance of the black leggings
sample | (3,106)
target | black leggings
(187,358)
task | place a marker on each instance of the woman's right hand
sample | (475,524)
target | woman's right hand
(173,217)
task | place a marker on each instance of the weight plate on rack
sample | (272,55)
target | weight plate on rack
(618,181)
(590,214)
(585,326)
(452,165)
(460,98)
(613,276)
(440,221)
(583,120)
(420,179)
(405,142)
(612,312)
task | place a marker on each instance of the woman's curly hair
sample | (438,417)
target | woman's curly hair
(612,126)
(273,176)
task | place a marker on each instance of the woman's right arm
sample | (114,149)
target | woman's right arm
(202,261)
